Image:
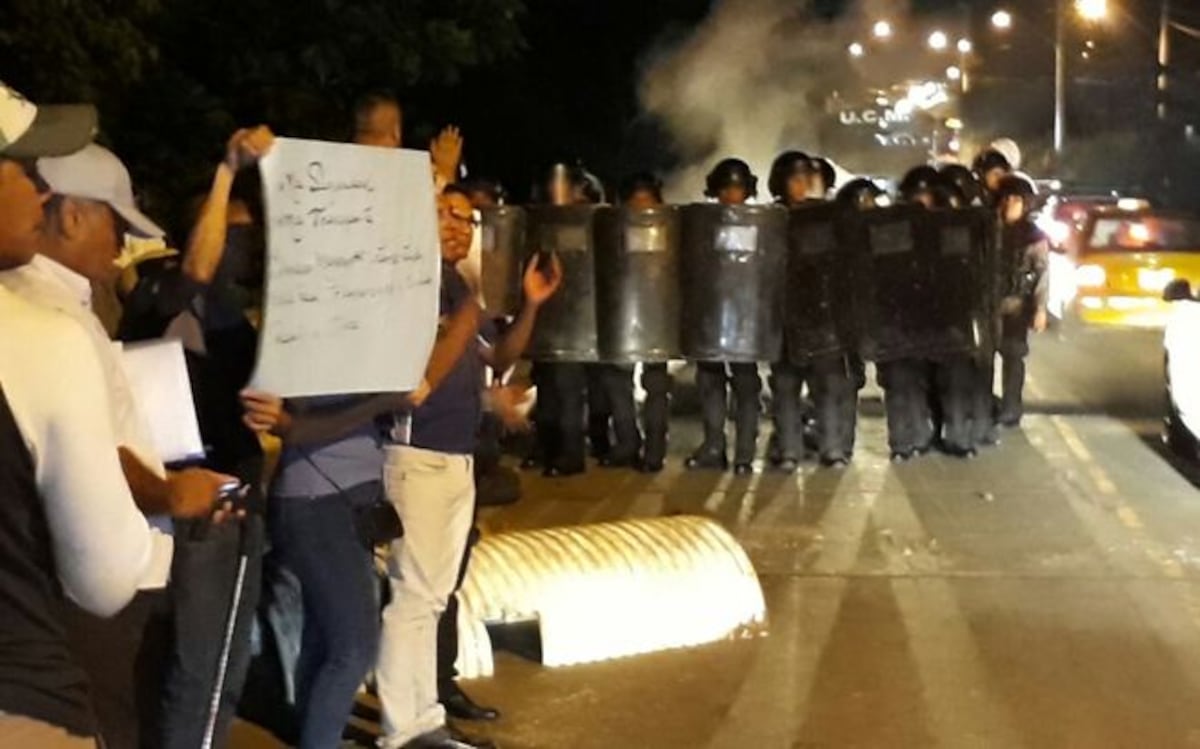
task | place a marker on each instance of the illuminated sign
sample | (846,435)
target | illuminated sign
(856,117)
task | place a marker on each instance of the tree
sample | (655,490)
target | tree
(172,78)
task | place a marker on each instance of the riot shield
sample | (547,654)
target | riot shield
(958,311)
(818,313)
(566,324)
(732,271)
(893,306)
(637,284)
(502,252)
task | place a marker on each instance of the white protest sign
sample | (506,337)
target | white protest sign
(353,269)
(158,378)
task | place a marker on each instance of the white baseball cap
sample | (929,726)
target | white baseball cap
(95,173)
(28,131)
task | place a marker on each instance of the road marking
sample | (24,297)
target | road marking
(1126,515)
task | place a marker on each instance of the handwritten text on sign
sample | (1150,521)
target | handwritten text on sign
(351,302)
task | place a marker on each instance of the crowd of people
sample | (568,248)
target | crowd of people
(937,402)
(128,588)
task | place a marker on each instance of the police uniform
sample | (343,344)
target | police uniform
(717,380)
(1024,258)
(831,378)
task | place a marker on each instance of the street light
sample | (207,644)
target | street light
(954,73)
(1002,20)
(1092,10)
(965,46)
(856,50)
(938,41)
(882,30)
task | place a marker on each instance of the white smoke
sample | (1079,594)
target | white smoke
(751,82)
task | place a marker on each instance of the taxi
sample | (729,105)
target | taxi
(1126,259)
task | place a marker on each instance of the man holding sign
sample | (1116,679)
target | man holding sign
(429,478)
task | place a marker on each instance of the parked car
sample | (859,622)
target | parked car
(1181,362)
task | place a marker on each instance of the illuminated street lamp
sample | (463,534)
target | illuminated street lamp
(954,73)
(856,50)
(882,30)
(1092,10)
(1002,20)
(965,46)
(938,41)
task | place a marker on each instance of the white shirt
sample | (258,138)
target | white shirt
(104,549)
(51,284)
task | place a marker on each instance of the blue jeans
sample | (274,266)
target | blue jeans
(318,540)
(203,577)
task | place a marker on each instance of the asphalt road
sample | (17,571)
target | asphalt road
(1046,594)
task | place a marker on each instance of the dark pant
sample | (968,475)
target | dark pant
(906,401)
(834,386)
(955,380)
(562,388)
(1014,347)
(610,400)
(319,542)
(447,634)
(204,575)
(711,379)
(786,382)
(656,410)
(125,658)
(983,405)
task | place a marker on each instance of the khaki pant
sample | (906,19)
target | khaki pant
(434,494)
(19,732)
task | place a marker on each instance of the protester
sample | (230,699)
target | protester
(90,209)
(428,477)
(71,527)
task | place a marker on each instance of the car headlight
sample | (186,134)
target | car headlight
(1155,279)
(1090,276)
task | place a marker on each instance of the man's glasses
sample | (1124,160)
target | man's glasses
(470,219)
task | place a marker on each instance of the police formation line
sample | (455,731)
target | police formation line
(929,287)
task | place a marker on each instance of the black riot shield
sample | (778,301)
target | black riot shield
(893,304)
(732,271)
(502,253)
(818,298)
(566,324)
(958,311)
(637,284)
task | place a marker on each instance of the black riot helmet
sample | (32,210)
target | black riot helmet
(787,165)
(963,181)
(859,194)
(991,166)
(641,182)
(591,189)
(828,174)
(920,182)
(568,184)
(730,172)
(1015,185)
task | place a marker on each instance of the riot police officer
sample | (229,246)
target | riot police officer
(906,381)
(952,375)
(829,371)
(1024,257)
(791,181)
(991,167)
(562,386)
(637,191)
(963,183)
(731,182)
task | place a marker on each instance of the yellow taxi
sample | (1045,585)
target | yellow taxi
(1126,259)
